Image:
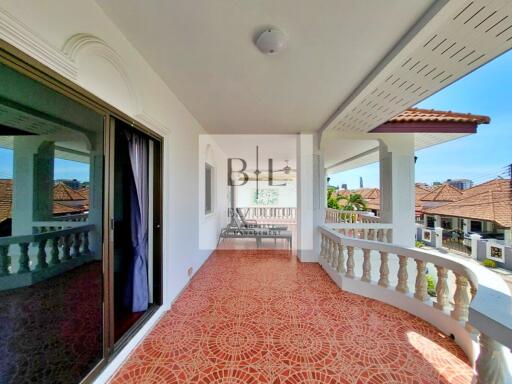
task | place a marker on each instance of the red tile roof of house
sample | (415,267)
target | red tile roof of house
(443,193)
(490,201)
(5,199)
(61,192)
(417,115)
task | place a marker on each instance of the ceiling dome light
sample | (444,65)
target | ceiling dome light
(271,41)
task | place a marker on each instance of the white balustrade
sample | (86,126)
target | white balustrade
(286,214)
(468,305)
(51,249)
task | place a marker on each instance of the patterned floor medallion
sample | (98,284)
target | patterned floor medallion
(251,317)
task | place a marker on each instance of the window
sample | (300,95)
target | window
(476,226)
(208,189)
(446,223)
(431,222)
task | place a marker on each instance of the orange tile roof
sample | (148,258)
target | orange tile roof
(489,205)
(61,192)
(58,208)
(443,193)
(417,115)
(5,199)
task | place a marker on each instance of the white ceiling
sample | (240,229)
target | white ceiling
(204,51)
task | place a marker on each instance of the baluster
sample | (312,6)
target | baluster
(490,365)
(350,262)
(41,255)
(55,251)
(367,267)
(4,260)
(402,275)
(365,234)
(380,235)
(24,259)
(371,234)
(322,247)
(442,290)
(334,259)
(76,245)
(461,298)
(472,289)
(384,270)
(330,249)
(421,281)
(389,234)
(85,244)
(341,259)
(66,248)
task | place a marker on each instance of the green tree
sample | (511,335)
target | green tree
(352,202)
(332,198)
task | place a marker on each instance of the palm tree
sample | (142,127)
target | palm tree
(353,202)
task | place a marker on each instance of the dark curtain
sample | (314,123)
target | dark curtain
(137,289)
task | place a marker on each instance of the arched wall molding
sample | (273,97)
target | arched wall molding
(152,123)
(81,43)
(27,40)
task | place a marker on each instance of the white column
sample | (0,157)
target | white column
(397,186)
(32,182)
(438,241)
(474,245)
(311,184)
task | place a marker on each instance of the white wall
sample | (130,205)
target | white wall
(210,224)
(75,38)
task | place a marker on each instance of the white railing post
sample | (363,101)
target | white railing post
(490,365)
(350,262)
(367,267)
(421,281)
(442,290)
(384,270)
(402,275)
(461,298)
(341,259)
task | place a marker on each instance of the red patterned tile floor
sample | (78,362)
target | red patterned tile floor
(263,317)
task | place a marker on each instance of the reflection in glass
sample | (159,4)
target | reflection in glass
(51,193)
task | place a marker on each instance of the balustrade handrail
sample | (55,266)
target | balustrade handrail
(75,217)
(8,240)
(490,310)
(350,216)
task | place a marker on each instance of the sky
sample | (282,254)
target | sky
(479,157)
(63,169)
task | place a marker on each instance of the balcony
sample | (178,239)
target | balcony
(264,317)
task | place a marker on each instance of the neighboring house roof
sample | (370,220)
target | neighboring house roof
(5,199)
(417,115)
(84,192)
(443,193)
(61,192)
(489,205)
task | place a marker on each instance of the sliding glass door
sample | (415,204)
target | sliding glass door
(80,214)
(136,264)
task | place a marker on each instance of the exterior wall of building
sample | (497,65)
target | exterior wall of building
(76,39)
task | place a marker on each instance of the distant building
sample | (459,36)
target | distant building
(361,182)
(460,183)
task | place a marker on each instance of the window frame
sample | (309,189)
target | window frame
(211,168)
